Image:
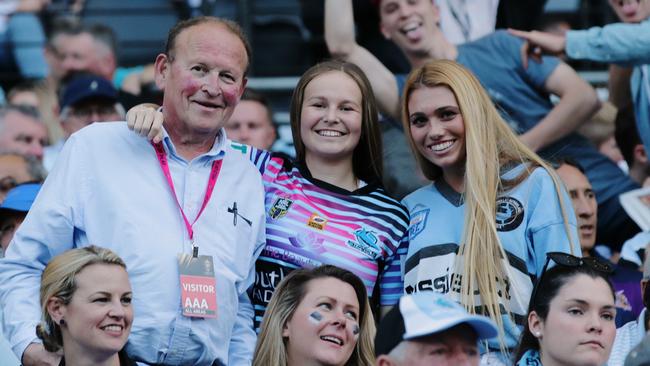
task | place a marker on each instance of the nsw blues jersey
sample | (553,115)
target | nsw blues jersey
(529,224)
(310,223)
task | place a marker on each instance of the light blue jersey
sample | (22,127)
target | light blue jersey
(529,224)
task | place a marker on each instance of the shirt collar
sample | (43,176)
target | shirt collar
(217,150)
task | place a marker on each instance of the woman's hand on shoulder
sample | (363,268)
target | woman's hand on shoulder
(146,120)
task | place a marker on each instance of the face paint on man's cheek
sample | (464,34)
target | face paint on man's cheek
(316,317)
(190,86)
(231,96)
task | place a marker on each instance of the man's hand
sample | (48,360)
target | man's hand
(145,120)
(539,43)
(36,355)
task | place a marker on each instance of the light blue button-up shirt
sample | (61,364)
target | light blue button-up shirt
(622,43)
(108,189)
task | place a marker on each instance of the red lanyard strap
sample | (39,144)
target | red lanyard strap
(214,174)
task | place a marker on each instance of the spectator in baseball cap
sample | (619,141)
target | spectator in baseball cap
(86,98)
(426,328)
(14,209)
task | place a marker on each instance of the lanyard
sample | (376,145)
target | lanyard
(214,174)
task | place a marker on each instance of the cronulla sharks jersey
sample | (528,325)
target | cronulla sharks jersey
(310,223)
(529,224)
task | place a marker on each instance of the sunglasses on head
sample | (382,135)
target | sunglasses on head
(568,260)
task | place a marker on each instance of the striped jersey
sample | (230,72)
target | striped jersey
(310,222)
(529,224)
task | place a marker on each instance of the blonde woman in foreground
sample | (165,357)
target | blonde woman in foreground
(86,305)
(494,209)
(317,316)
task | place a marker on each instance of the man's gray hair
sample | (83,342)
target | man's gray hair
(65,113)
(22,109)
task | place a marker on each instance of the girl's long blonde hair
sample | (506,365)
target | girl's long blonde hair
(271,346)
(490,144)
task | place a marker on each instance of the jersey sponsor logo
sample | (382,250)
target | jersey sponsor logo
(510,213)
(367,242)
(418,223)
(317,222)
(280,207)
(267,278)
(442,284)
(437,274)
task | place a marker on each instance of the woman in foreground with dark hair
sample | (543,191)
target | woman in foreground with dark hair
(571,314)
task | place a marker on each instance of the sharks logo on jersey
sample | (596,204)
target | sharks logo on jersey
(510,213)
(367,242)
(418,222)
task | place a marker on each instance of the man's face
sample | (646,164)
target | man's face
(13,171)
(631,11)
(203,78)
(80,52)
(23,135)
(250,124)
(86,112)
(409,23)
(584,204)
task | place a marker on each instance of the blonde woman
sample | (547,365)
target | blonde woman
(86,305)
(317,316)
(494,208)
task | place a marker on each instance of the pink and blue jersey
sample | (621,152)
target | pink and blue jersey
(310,223)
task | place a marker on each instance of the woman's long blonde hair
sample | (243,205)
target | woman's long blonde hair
(490,144)
(271,345)
(58,280)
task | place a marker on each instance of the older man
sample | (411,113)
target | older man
(86,99)
(426,328)
(163,208)
(21,131)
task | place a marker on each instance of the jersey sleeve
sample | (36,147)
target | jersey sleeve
(260,158)
(391,283)
(619,42)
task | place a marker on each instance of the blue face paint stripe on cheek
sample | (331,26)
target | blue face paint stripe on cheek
(316,317)
(355,329)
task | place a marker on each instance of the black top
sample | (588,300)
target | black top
(124,359)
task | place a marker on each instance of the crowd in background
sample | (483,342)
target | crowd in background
(453,197)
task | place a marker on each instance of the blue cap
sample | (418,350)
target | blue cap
(425,313)
(86,87)
(20,198)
